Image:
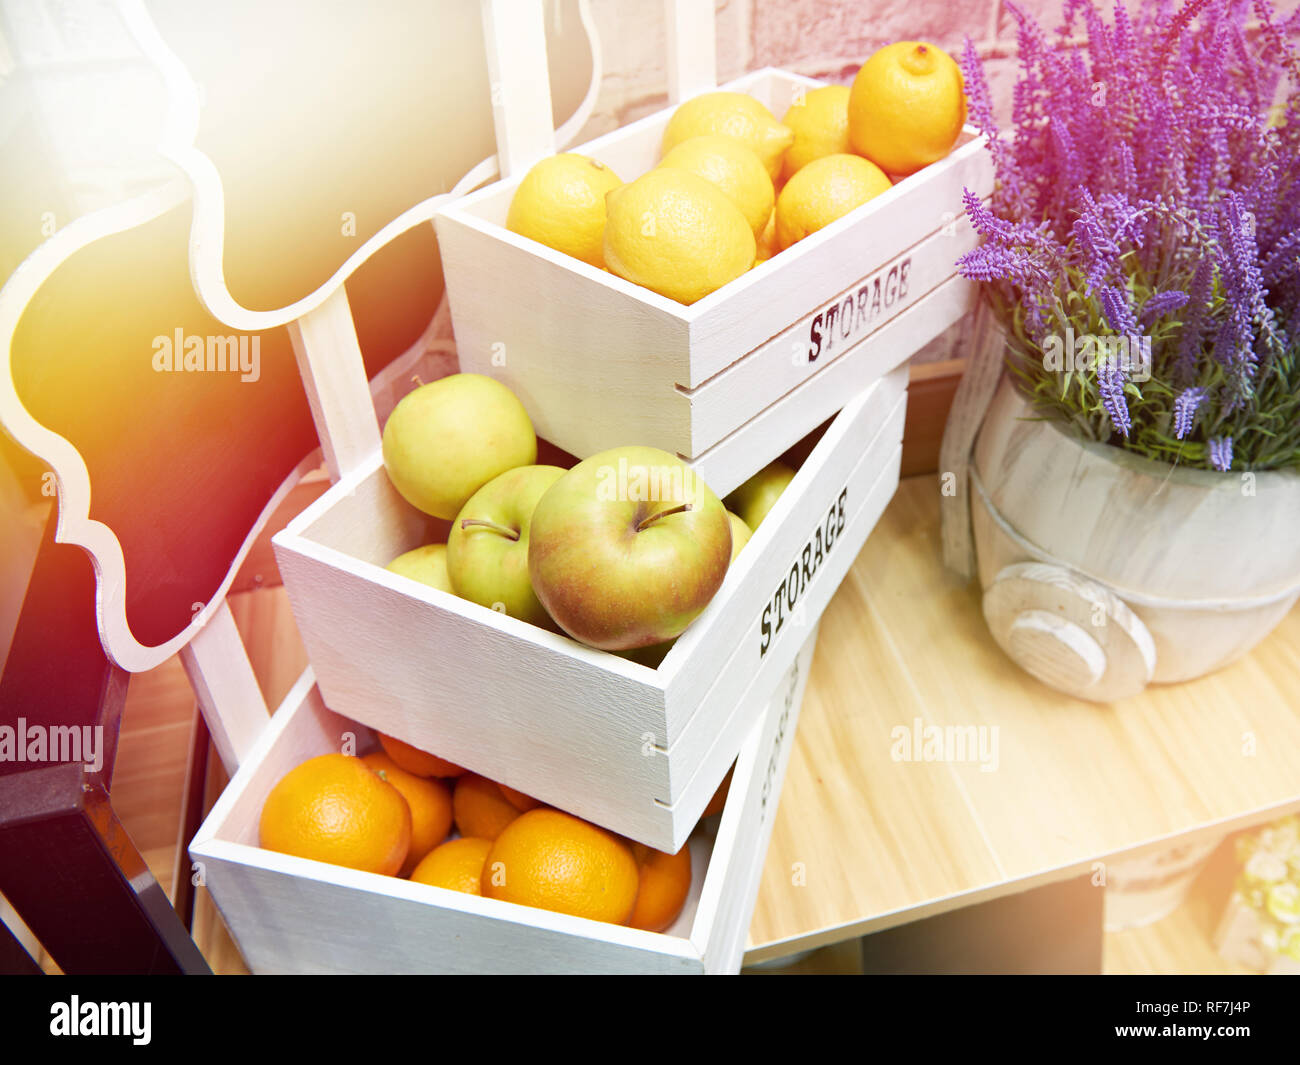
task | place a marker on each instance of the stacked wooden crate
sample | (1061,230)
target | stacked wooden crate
(802,357)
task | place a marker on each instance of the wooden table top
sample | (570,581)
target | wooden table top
(864,842)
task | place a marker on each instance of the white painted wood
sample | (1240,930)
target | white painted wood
(290,915)
(514,36)
(692,48)
(1208,562)
(974,391)
(721,926)
(637,750)
(730,462)
(334,378)
(1071,633)
(226,687)
(712,745)
(576,343)
(843,327)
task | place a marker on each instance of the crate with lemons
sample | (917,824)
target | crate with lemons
(776,241)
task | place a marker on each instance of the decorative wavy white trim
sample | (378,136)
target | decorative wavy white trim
(74,524)
(207,230)
(203,183)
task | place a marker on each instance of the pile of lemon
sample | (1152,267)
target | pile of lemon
(734,186)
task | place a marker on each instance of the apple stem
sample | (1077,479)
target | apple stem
(419,381)
(680,509)
(506,531)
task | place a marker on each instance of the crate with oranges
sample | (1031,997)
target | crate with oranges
(401,811)
(764,250)
(336,849)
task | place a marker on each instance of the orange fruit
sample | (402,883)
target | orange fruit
(456,865)
(719,799)
(333,808)
(521,802)
(430,803)
(480,808)
(906,107)
(558,862)
(665,883)
(414,760)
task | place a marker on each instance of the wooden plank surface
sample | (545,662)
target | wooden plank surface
(887,841)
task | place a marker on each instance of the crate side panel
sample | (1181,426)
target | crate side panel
(832,331)
(818,486)
(730,462)
(722,929)
(565,343)
(699,759)
(766,301)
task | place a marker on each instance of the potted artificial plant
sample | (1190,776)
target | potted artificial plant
(1134,488)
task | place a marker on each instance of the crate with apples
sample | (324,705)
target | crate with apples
(597,634)
(294,914)
(625,332)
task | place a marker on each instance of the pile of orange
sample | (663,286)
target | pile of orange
(393,812)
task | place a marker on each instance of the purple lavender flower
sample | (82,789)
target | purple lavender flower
(1144,183)
(1161,304)
(1118,312)
(1198,299)
(1185,407)
(1221,453)
(1110,383)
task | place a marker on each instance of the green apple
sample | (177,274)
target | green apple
(627,548)
(427,564)
(740,534)
(753,499)
(447,439)
(487,551)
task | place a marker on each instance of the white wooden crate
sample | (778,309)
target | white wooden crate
(599,361)
(637,750)
(293,915)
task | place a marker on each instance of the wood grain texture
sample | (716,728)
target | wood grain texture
(1207,537)
(884,842)
(334,377)
(226,687)
(978,383)
(1071,633)
(873,342)
(1208,561)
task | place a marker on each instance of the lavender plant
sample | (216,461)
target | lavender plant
(1151,187)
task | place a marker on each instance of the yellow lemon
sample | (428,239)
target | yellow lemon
(561,203)
(767,246)
(907,107)
(734,168)
(735,115)
(820,120)
(826,189)
(676,234)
